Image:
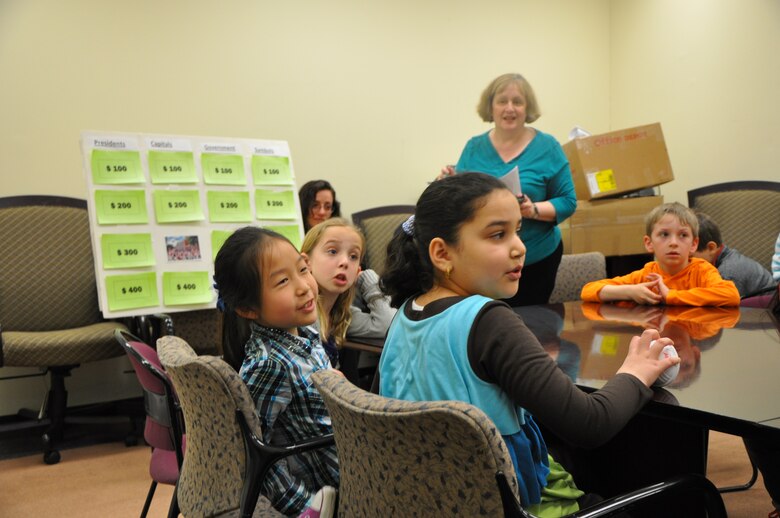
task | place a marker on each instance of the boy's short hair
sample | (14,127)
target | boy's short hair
(685,215)
(708,231)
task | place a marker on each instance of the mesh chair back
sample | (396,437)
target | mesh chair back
(413,458)
(378,225)
(747,213)
(46,255)
(574,272)
(209,392)
(201,329)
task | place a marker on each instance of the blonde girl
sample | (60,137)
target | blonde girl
(335,249)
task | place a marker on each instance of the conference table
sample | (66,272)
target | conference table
(728,378)
(728,382)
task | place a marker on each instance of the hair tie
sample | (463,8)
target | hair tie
(408,226)
(220,301)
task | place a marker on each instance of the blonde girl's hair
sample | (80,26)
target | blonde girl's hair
(336,322)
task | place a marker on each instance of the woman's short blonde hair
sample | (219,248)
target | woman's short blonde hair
(485,106)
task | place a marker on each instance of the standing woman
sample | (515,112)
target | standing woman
(545,178)
(318,203)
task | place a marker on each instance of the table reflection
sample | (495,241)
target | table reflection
(729,355)
(546,322)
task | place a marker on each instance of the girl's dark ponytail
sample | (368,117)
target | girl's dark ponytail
(442,209)
(407,270)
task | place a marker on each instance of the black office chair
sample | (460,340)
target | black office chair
(747,213)
(378,225)
(49,314)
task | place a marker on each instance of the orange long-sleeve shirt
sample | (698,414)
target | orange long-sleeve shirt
(698,284)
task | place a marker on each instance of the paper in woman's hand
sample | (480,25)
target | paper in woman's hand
(512,180)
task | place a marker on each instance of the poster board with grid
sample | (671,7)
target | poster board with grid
(161,206)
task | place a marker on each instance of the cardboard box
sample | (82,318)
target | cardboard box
(612,227)
(618,162)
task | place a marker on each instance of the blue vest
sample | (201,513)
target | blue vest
(427,360)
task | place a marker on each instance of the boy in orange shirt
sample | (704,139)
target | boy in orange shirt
(674,278)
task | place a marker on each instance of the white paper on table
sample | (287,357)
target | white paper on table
(512,180)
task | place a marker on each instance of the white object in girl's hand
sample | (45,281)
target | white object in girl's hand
(669,374)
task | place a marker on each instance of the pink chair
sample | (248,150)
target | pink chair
(164,424)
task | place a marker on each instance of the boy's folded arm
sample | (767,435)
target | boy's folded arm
(616,292)
(711,290)
(594,291)
(605,291)
(721,295)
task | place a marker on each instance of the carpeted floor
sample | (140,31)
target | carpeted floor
(112,480)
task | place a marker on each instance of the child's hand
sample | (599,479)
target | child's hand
(644,292)
(447,170)
(642,359)
(647,315)
(662,289)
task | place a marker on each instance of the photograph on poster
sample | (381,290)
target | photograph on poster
(182,248)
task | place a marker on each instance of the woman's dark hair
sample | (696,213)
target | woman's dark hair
(238,281)
(440,212)
(308,194)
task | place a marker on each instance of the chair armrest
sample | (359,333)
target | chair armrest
(688,483)
(261,456)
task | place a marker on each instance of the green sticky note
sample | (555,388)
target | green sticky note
(172,167)
(275,205)
(116,167)
(182,288)
(121,207)
(229,206)
(177,206)
(271,170)
(291,232)
(126,250)
(223,169)
(218,238)
(131,291)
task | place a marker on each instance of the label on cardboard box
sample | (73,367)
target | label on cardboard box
(601,181)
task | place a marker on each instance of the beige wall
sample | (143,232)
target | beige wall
(709,71)
(375,96)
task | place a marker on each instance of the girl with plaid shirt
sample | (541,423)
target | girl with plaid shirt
(268,296)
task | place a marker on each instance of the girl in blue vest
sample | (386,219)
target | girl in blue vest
(451,340)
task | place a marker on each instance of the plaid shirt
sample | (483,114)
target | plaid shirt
(277,367)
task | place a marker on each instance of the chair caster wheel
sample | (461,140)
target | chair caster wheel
(51,457)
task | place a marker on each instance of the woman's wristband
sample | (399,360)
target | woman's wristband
(536,211)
